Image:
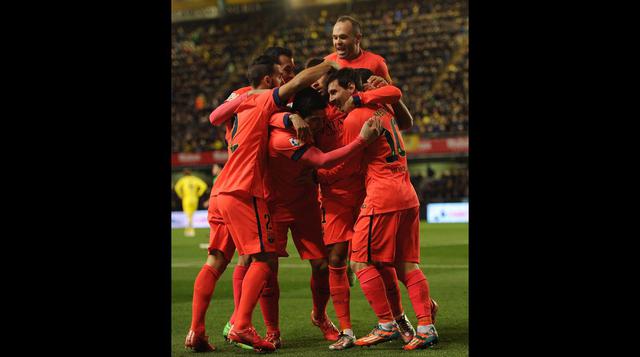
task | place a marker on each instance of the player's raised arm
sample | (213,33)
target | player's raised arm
(304,79)
(225,110)
(402,115)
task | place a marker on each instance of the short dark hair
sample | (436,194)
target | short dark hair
(307,101)
(355,25)
(313,61)
(343,75)
(260,67)
(275,52)
(362,74)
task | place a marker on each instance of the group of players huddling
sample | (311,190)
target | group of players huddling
(319,153)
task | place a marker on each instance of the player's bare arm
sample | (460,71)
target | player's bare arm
(371,130)
(402,114)
(305,79)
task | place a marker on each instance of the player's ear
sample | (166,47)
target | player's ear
(267,81)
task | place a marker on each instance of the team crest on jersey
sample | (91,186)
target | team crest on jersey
(294,142)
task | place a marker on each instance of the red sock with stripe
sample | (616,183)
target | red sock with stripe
(373,287)
(269,303)
(203,289)
(418,288)
(340,295)
(320,292)
(390,278)
(254,281)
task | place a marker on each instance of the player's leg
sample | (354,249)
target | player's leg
(220,251)
(340,293)
(270,307)
(338,221)
(306,232)
(247,218)
(189,206)
(203,289)
(409,272)
(258,274)
(369,246)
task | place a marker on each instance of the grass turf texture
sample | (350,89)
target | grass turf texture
(444,255)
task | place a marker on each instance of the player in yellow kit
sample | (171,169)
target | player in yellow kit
(189,188)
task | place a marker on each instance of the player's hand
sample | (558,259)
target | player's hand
(303,131)
(371,129)
(375,82)
(256,91)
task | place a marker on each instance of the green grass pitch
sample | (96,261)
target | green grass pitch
(445,259)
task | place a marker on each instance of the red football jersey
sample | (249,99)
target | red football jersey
(345,180)
(385,163)
(246,165)
(229,124)
(366,59)
(290,187)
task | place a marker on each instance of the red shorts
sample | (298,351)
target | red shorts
(338,219)
(248,221)
(219,236)
(387,237)
(306,230)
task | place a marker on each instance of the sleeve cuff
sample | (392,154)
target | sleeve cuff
(287,121)
(298,154)
(276,97)
(357,101)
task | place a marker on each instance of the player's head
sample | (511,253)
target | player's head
(264,73)
(186,172)
(284,57)
(310,105)
(346,37)
(341,85)
(362,74)
(319,85)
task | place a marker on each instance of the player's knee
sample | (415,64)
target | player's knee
(244,260)
(319,265)
(357,266)
(337,261)
(217,260)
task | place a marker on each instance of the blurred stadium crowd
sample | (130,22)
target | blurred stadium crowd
(424,43)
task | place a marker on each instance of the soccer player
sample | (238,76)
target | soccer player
(347,35)
(342,189)
(386,243)
(240,195)
(293,195)
(222,115)
(221,246)
(189,188)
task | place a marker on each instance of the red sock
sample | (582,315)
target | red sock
(269,303)
(340,295)
(254,281)
(238,274)
(418,288)
(320,292)
(390,279)
(202,291)
(373,288)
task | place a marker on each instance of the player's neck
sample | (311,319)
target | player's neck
(355,55)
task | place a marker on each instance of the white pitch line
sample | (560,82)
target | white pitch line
(301,266)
